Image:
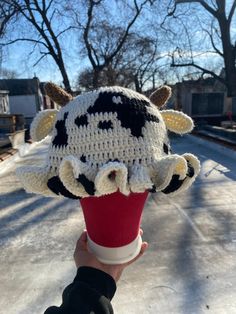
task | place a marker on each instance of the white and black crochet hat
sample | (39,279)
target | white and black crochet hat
(107,140)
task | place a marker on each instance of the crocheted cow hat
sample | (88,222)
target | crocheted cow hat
(107,140)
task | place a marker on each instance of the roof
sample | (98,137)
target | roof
(20,86)
(209,81)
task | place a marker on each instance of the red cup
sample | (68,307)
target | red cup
(113,224)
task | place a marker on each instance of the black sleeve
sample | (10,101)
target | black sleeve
(89,293)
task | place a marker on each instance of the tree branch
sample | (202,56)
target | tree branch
(5,18)
(126,33)
(205,71)
(36,15)
(95,56)
(48,7)
(231,13)
(65,30)
(203,3)
(41,58)
(86,33)
(25,39)
(213,44)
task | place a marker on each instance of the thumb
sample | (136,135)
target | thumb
(82,241)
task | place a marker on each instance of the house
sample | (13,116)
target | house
(205,100)
(26,97)
(11,126)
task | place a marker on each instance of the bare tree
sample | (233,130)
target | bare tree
(40,16)
(134,66)
(8,74)
(107,77)
(221,39)
(103,40)
(145,64)
(7,13)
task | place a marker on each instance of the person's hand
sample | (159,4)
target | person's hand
(83,257)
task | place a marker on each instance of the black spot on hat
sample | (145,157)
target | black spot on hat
(87,184)
(105,125)
(114,160)
(61,138)
(166,149)
(81,120)
(57,187)
(83,158)
(174,184)
(131,112)
(190,172)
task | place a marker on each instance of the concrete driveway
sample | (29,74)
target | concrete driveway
(190,267)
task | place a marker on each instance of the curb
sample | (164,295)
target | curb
(213,146)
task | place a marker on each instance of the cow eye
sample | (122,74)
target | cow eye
(105,125)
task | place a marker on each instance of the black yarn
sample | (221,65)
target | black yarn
(153,189)
(83,158)
(174,184)
(190,172)
(61,139)
(132,112)
(57,187)
(87,184)
(105,125)
(113,160)
(165,149)
(81,120)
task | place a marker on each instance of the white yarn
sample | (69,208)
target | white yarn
(141,163)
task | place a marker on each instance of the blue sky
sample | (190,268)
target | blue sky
(16,57)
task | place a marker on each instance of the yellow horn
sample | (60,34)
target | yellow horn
(57,94)
(160,96)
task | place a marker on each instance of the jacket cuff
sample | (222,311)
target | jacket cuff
(98,280)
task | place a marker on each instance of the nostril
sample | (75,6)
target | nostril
(105,125)
(112,175)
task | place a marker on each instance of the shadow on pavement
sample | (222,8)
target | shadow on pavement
(24,216)
(186,264)
(13,197)
(217,226)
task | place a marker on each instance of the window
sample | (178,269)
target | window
(207,104)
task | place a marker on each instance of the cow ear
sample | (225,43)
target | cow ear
(160,96)
(57,94)
(177,121)
(42,124)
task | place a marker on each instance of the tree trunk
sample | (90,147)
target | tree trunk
(229,49)
(60,63)
(111,76)
(153,82)
(229,55)
(137,85)
(231,83)
(66,81)
(95,78)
